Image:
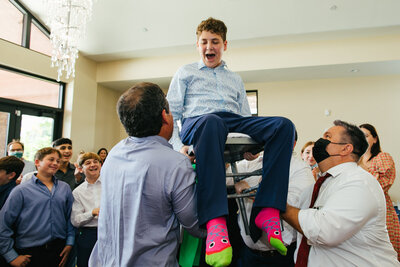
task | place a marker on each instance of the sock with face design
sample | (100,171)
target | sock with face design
(268,221)
(218,247)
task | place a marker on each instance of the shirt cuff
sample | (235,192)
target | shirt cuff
(10,256)
(70,240)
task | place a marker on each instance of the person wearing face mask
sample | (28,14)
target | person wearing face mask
(381,166)
(16,148)
(342,218)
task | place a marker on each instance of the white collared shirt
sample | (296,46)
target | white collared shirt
(86,198)
(300,177)
(347,226)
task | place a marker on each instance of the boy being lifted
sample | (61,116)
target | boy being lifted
(210,101)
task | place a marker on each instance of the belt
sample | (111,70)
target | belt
(50,245)
(88,229)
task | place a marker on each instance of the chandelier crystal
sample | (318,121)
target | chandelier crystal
(67,20)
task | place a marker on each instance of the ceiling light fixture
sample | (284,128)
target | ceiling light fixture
(67,21)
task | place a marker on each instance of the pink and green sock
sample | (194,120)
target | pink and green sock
(268,221)
(218,247)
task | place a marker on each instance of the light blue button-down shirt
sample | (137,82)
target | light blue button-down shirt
(36,216)
(196,89)
(148,189)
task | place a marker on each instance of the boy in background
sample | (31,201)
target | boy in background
(10,169)
(85,210)
(37,213)
(67,171)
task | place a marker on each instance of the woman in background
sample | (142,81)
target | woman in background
(102,154)
(307,156)
(381,165)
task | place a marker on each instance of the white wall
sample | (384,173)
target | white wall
(374,100)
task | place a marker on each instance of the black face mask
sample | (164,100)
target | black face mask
(319,149)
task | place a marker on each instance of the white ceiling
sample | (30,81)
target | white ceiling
(122,29)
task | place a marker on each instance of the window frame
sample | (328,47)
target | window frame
(26,27)
(254,91)
(34,109)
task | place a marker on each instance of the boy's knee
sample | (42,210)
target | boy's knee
(212,120)
(286,124)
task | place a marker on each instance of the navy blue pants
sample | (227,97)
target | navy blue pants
(86,240)
(207,133)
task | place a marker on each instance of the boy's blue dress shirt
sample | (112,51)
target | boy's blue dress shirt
(36,215)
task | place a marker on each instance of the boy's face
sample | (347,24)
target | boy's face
(91,168)
(6,178)
(66,152)
(211,47)
(48,165)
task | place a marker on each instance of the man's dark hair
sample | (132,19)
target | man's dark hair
(61,141)
(12,164)
(376,147)
(140,108)
(354,136)
(214,26)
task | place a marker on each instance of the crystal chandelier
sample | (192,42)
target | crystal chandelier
(67,20)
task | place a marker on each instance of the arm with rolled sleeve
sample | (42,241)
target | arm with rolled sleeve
(184,199)
(345,212)
(176,97)
(70,228)
(79,216)
(8,216)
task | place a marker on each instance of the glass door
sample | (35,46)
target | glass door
(35,126)
(36,133)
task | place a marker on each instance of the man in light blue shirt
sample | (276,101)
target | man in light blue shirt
(148,189)
(210,101)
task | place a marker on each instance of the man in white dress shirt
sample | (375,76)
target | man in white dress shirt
(86,206)
(346,225)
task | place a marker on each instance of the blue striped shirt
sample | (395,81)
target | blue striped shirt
(38,216)
(196,89)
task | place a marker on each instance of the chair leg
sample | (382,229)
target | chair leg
(242,208)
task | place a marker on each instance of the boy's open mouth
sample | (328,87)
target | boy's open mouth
(210,56)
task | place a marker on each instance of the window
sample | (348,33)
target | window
(30,89)
(17,25)
(31,110)
(11,22)
(252,97)
(39,40)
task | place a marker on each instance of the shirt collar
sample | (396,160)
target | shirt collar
(36,180)
(98,181)
(156,138)
(201,65)
(338,169)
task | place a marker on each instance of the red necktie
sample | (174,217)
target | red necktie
(304,249)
